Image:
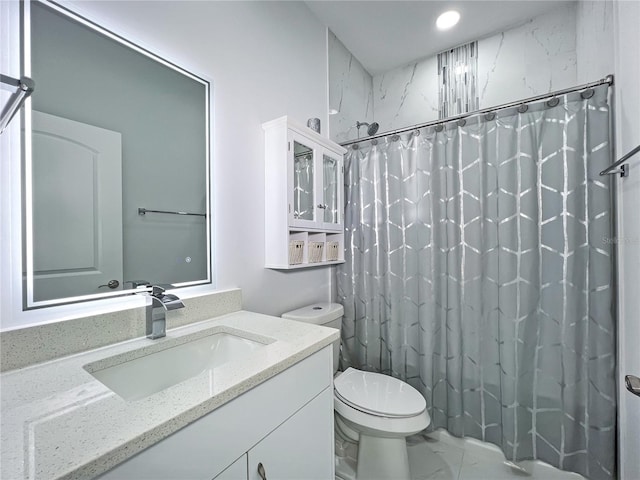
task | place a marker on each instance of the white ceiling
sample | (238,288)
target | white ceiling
(386,34)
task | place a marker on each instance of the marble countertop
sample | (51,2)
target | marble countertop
(58,421)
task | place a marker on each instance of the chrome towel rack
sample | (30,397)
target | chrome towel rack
(144,211)
(25,87)
(624,169)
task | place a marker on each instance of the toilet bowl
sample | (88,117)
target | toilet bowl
(374,410)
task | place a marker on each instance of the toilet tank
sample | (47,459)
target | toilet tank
(325,314)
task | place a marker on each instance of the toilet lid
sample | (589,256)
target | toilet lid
(378,394)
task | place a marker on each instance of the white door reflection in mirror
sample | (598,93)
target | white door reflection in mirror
(77,187)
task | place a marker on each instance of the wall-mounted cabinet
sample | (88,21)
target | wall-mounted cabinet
(304,197)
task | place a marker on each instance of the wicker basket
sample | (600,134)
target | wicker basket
(333,250)
(315,251)
(296,248)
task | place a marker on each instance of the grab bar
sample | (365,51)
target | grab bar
(25,86)
(624,169)
(144,211)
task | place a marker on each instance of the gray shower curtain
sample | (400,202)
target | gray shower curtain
(479,268)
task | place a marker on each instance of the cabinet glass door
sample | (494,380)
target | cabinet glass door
(303,182)
(331,188)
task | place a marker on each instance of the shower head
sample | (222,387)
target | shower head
(372,128)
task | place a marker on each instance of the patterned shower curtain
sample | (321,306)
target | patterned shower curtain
(479,268)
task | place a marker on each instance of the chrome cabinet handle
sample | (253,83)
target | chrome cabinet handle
(112,284)
(323,206)
(633,384)
(261,472)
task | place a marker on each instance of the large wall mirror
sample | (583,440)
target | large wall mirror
(116,164)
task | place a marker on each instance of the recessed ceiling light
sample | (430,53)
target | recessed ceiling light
(447,20)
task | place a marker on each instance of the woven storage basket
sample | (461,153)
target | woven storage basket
(315,251)
(296,248)
(333,249)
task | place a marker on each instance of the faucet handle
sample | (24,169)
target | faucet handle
(157,291)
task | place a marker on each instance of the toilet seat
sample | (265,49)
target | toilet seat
(378,395)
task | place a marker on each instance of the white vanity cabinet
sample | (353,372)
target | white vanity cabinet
(284,423)
(304,197)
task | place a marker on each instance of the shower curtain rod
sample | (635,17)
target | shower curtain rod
(607,80)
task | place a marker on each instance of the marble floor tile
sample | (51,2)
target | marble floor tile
(477,467)
(544,471)
(433,460)
(441,456)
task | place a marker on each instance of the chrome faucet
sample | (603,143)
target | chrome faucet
(156,311)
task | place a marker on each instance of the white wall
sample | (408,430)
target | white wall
(265,59)
(607,41)
(627,92)
(350,92)
(534,58)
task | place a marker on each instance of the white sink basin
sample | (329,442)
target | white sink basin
(144,376)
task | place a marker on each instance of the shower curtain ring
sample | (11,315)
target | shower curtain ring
(553,102)
(588,93)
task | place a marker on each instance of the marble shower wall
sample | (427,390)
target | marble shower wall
(350,92)
(535,58)
(531,59)
(594,40)
(407,95)
(570,45)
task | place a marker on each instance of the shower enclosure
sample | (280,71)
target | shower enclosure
(479,268)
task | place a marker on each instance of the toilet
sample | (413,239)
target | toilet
(376,411)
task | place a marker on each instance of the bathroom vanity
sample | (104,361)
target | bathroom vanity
(285,424)
(265,411)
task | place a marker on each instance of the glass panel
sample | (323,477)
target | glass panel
(330,190)
(302,182)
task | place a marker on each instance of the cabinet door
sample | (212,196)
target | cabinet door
(303,181)
(300,448)
(332,204)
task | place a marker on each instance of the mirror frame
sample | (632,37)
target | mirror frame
(27,164)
